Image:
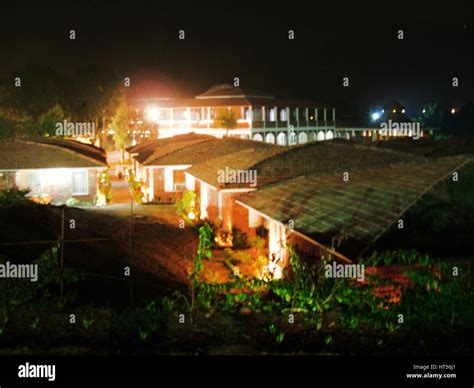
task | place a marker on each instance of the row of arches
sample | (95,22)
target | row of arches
(293,138)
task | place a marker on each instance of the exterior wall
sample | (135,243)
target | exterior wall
(160,195)
(56,184)
(213,204)
(7,180)
(238,215)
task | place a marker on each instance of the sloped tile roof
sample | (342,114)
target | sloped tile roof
(201,152)
(49,153)
(323,158)
(243,160)
(355,213)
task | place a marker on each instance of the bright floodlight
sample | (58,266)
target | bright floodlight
(403,110)
(152,114)
(424,111)
(453,111)
(375,116)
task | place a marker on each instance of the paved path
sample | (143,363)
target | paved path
(120,188)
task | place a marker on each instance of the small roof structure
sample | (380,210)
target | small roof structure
(241,161)
(349,216)
(193,153)
(49,153)
(227,95)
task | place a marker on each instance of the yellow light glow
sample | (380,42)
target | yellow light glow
(152,114)
(101,199)
(191,216)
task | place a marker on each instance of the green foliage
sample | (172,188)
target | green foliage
(13,197)
(433,116)
(428,300)
(239,239)
(13,124)
(46,125)
(35,323)
(136,188)
(78,202)
(45,291)
(87,323)
(226,119)
(121,123)
(203,252)
(187,205)
(105,186)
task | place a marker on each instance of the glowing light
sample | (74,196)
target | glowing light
(223,239)
(394,111)
(152,114)
(453,111)
(101,199)
(424,110)
(191,215)
(375,116)
(403,110)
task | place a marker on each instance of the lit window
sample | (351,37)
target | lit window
(79,183)
(169,184)
(33,182)
(272,114)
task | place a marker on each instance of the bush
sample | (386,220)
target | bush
(14,197)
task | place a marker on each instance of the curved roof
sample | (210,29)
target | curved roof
(49,153)
(229,91)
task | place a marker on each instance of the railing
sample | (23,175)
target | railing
(296,124)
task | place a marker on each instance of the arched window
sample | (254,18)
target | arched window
(292,138)
(257,137)
(320,136)
(270,138)
(329,135)
(281,139)
(302,138)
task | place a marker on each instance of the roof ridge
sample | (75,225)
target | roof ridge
(187,144)
(57,146)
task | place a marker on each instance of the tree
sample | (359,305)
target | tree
(463,121)
(46,125)
(91,93)
(40,89)
(14,125)
(226,119)
(433,117)
(121,124)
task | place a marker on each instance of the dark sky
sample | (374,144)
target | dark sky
(250,40)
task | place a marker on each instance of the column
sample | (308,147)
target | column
(208,117)
(171,118)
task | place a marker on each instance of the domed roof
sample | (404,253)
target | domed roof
(224,90)
(220,87)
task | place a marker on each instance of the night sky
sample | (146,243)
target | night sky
(250,41)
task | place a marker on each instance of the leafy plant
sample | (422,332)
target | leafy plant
(87,323)
(14,197)
(187,207)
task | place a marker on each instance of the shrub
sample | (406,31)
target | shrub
(14,197)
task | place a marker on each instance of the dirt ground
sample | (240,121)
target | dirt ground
(103,241)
